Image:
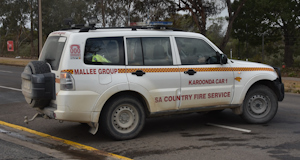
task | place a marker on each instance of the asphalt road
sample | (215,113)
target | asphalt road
(12,150)
(175,137)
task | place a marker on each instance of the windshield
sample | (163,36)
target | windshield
(52,51)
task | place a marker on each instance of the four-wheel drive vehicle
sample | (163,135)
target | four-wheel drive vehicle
(116,77)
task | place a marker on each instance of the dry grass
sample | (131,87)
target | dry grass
(291,86)
(15,61)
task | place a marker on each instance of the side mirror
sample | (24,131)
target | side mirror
(224,59)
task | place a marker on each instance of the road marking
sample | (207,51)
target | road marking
(45,150)
(228,127)
(3,131)
(71,143)
(15,89)
(6,71)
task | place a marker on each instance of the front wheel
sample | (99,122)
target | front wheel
(123,118)
(260,105)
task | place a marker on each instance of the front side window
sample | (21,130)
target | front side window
(104,51)
(196,51)
(149,51)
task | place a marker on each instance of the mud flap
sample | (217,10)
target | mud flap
(94,127)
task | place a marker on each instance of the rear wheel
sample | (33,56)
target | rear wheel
(260,105)
(123,118)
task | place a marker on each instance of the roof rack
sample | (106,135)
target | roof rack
(82,28)
(133,26)
(74,26)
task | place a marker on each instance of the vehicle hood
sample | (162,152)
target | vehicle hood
(240,63)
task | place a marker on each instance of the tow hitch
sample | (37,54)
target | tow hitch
(35,116)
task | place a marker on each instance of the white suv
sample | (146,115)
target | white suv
(116,77)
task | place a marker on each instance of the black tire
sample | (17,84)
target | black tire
(260,105)
(37,67)
(122,118)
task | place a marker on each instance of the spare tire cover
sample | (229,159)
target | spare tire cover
(36,67)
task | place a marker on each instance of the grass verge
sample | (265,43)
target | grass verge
(15,61)
(291,86)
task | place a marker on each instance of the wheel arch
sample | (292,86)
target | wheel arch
(242,87)
(135,94)
(268,83)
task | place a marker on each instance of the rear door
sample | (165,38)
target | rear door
(52,53)
(101,75)
(150,71)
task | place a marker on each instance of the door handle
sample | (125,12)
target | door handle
(190,72)
(138,73)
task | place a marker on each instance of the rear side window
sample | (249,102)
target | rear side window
(149,51)
(52,51)
(104,51)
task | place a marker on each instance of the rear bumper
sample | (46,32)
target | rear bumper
(65,115)
(76,106)
(82,117)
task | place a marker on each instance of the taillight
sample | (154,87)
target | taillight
(67,81)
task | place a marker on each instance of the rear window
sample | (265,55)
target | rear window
(52,51)
(104,51)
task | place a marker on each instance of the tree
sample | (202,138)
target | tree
(55,11)
(153,10)
(214,31)
(14,19)
(183,21)
(271,18)
(284,15)
(200,10)
(115,13)
(33,4)
(232,14)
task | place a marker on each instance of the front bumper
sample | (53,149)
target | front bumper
(279,86)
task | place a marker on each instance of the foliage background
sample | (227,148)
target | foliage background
(264,31)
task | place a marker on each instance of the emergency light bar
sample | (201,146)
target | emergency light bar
(92,20)
(162,23)
(156,23)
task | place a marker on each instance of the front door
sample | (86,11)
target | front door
(204,81)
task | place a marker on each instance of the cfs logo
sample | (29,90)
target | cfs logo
(75,51)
